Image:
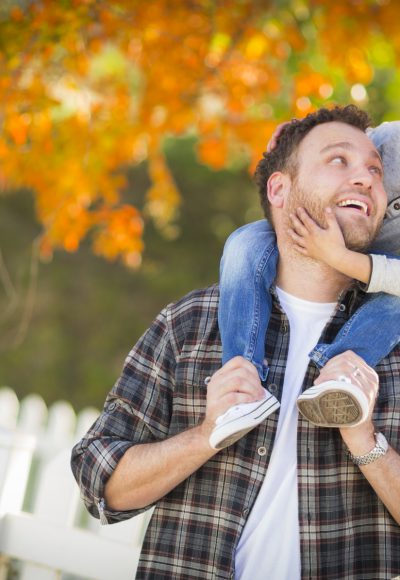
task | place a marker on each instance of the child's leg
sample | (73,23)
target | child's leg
(248,268)
(372,332)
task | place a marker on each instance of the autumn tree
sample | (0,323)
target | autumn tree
(89,87)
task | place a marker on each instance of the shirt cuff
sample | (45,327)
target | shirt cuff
(378,267)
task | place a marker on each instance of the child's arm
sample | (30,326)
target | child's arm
(385,275)
(328,245)
(381,274)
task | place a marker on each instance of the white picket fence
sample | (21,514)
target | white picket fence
(45,532)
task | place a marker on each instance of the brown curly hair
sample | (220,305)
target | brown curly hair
(283,156)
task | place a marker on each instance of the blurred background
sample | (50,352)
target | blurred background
(129,134)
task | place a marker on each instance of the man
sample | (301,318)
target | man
(285,501)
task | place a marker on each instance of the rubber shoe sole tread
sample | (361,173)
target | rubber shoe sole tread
(333,404)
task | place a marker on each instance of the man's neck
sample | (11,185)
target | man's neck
(310,280)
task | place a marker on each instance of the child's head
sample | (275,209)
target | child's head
(386,138)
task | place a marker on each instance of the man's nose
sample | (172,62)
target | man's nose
(362,178)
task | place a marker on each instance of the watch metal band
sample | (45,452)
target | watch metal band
(379,450)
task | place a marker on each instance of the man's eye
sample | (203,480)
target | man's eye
(338,160)
(376,169)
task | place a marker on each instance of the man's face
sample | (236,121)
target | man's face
(339,167)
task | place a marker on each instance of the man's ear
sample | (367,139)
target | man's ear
(278,187)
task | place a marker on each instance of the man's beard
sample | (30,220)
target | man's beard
(357,238)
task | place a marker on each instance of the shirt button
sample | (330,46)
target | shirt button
(342,307)
(396,206)
(273,388)
(262,450)
(245,512)
(111,407)
(207,380)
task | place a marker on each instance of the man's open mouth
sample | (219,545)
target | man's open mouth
(355,204)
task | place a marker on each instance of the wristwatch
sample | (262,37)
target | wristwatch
(379,450)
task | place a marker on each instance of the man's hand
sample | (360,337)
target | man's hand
(148,471)
(359,439)
(236,382)
(384,473)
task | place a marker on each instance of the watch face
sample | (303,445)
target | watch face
(381,441)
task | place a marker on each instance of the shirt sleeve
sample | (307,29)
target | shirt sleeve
(385,275)
(137,410)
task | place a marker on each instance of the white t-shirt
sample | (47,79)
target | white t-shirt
(269,548)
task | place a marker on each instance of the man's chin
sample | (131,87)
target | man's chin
(357,234)
(357,240)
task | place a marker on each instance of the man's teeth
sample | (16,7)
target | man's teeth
(354,202)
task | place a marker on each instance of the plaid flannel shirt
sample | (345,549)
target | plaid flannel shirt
(345,531)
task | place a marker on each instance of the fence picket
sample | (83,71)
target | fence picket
(9,407)
(32,414)
(39,498)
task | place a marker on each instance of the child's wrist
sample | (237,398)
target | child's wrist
(337,259)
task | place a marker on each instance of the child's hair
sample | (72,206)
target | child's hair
(283,156)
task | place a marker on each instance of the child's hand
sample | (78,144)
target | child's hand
(309,239)
(275,136)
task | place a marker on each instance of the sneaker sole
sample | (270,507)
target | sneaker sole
(335,408)
(228,433)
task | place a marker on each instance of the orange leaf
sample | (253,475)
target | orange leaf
(213,152)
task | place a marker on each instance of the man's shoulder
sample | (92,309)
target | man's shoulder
(194,317)
(196,301)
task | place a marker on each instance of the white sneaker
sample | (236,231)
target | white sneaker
(240,419)
(334,404)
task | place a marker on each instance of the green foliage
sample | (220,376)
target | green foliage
(87,312)
(90,86)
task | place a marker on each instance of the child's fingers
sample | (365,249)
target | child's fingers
(309,224)
(298,239)
(300,249)
(331,218)
(298,225)
(274,139)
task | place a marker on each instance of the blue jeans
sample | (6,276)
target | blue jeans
(248,269)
